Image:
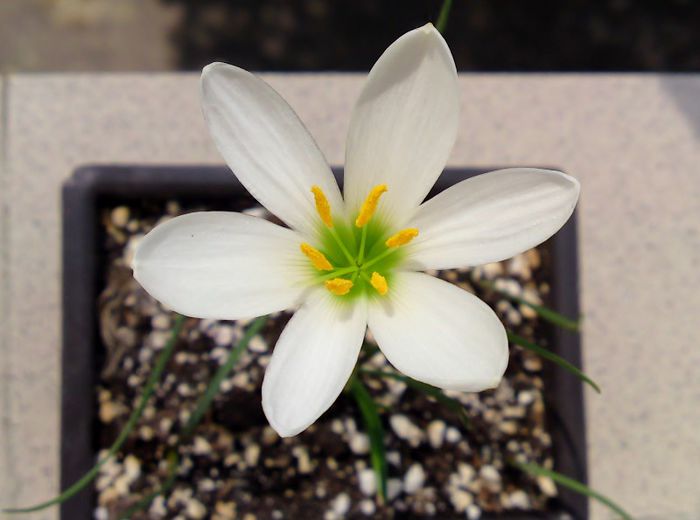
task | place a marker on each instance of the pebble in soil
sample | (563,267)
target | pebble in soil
(236,466)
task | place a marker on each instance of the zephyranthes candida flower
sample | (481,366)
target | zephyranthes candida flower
(353,262)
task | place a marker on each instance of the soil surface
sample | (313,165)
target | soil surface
(235,465)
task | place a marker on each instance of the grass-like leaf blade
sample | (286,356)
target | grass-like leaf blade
(544,312)
(448,402)
(375,431)
(205,400)
(574,485)
(148,390)
(551,356)
(203,405)
(173,462)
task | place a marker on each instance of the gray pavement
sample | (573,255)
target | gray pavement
(85,35)
(632,140)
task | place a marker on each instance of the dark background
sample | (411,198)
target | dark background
(484,35)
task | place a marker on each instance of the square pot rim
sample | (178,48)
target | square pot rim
(91,184)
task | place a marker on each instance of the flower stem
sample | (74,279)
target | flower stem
(344,249)
(363,242)
(338,272)
(379,257)
(153,379)
(366,277)
(441,24)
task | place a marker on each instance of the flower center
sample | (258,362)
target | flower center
(360,258)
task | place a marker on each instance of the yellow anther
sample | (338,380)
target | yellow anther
(317,258)
(323,207)
(369,206)
(379,283)
(402,238)
(339,286)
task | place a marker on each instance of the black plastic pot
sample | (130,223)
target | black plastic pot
(92,187)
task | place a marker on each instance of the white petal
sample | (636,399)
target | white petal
(222,265)
(437,333)
(404,124)
(266,145)
(312,361)
(491,217)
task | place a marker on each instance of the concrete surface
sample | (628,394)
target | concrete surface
(86,35)
(632,140)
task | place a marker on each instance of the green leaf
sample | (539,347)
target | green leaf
(519,340)
(153,379)
(450,403)
(369,349)
(545,313)
(173,462)
(202,407)
(574,485)
(375,431)
(205,400)
(441,24)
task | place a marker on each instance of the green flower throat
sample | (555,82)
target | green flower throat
(359,259)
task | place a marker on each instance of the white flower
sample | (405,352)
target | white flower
(348,264)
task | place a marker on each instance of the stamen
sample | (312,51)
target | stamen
(339,286)
(369,206)
(317,258)
(323,207)
(402,238)
(379,283)
(363,241)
